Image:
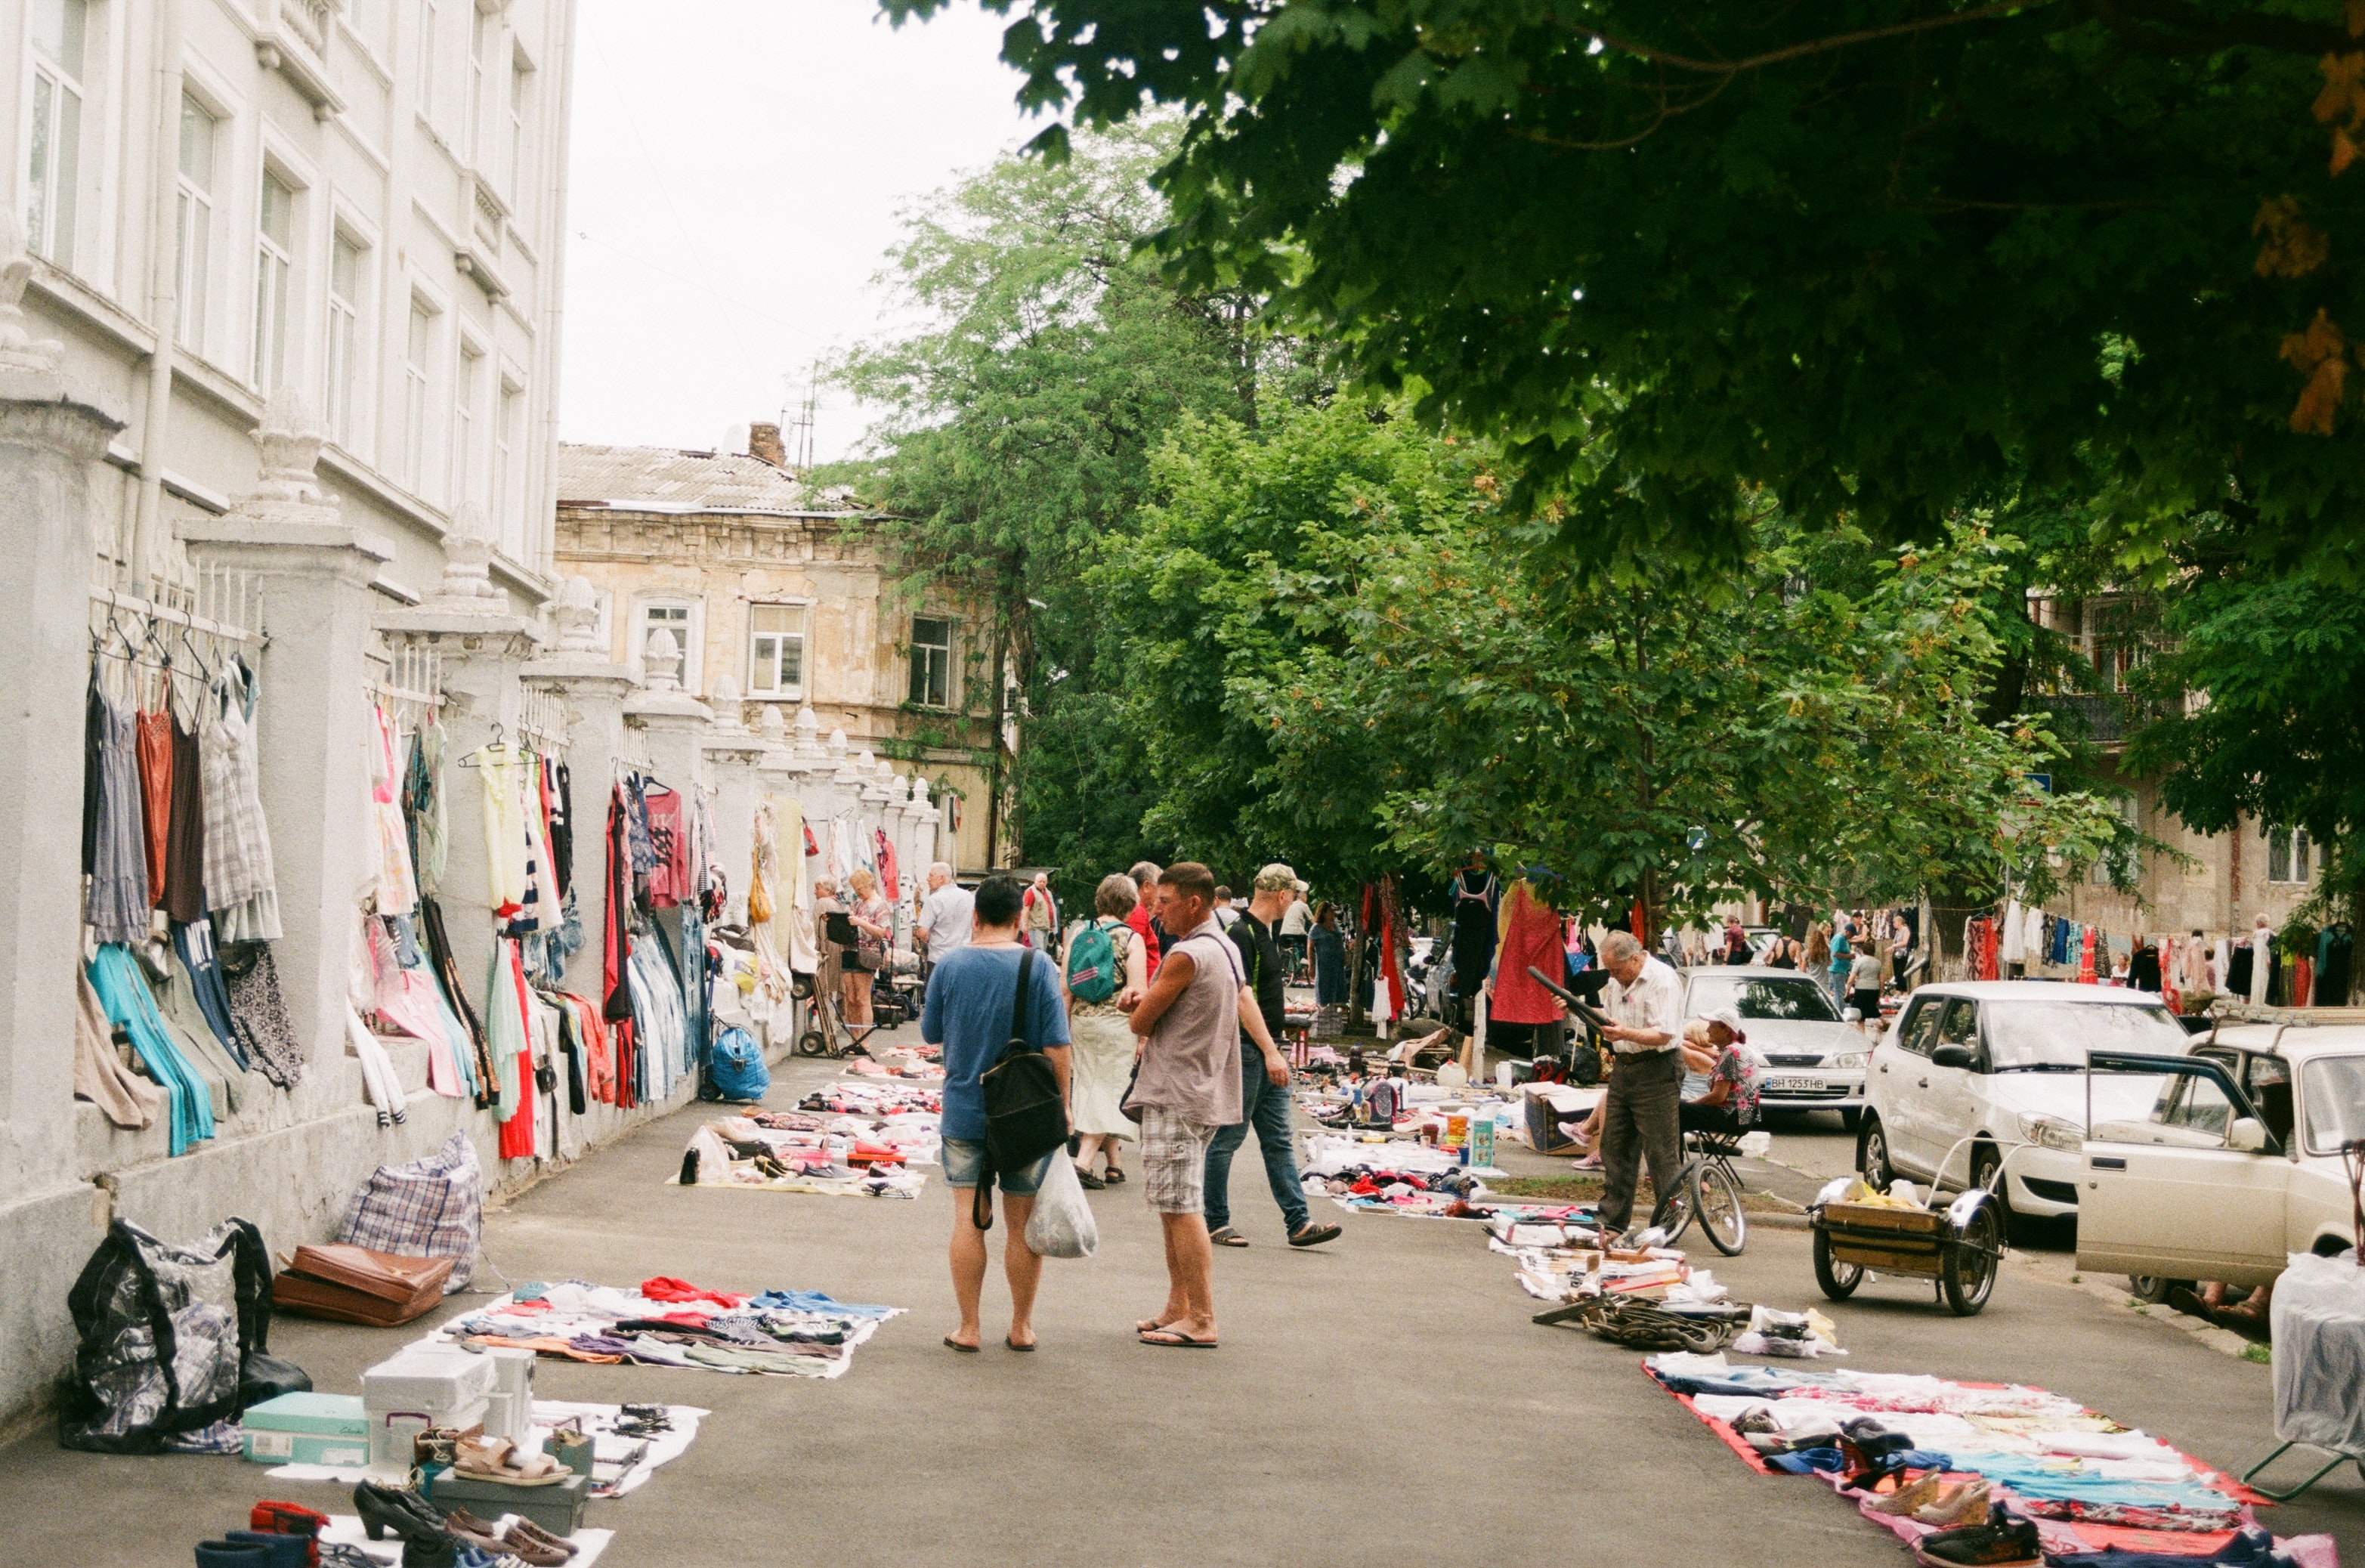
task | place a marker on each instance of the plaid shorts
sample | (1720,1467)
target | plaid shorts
(1175,1161)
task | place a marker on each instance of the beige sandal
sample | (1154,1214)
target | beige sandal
(497,1459)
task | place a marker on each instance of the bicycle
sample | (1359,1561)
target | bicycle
(1707,1189)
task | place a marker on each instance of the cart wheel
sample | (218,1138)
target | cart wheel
(1967,1270)
(1715,1198)
(812,1044)
(1838,1279)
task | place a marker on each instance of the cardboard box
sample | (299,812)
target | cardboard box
(307,1429)
(557,1509)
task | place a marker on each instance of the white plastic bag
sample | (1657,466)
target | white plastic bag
(2319,1318)
(1062,1224)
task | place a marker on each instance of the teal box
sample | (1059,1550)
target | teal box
(307,1429)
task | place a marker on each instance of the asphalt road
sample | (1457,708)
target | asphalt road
(1382,1401)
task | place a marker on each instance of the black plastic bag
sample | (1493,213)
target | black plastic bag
(174,1337)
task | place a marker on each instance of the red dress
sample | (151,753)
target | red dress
(1530,937)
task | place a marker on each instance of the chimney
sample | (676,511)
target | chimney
(764,442)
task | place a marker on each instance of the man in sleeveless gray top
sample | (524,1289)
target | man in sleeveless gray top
(1189,1085)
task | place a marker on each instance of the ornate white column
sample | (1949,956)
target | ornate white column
(593,689)
(673,721)
(51,440)
(734,756)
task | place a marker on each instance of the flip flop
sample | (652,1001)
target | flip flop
(955,1344)
(1170,1339)
(1026,1350)
(1149,1326)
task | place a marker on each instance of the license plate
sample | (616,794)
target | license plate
(1779,1085)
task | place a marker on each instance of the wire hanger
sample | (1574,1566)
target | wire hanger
(476,757)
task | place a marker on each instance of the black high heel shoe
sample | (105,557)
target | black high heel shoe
(404,1512)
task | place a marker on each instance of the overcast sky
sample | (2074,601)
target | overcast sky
(737,168)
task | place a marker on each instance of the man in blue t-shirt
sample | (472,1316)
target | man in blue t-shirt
(969,1013)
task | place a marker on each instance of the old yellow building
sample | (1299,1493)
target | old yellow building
(779,596)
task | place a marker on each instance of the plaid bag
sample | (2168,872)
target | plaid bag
(432,1207)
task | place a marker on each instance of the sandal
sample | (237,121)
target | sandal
(1225,1235)
(1112,1177)
(1090,1182)
(497,1459)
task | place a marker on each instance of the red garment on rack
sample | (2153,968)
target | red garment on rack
(2303,982)
(1530,937)
(517,1133)
(2086,959)
(155,754)
(889,883)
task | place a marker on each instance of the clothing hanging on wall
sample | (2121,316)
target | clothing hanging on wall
(446,969)
(505,842)
(123,994)
(2142,968)
(2335,949)
(116,825)
(100,1074)
(185,846)
(251,981)
(615,944)
(238,843)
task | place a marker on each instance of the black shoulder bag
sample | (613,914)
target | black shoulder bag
(1025,1116)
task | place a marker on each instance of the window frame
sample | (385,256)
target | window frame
(426,18)
(418,388)
(194,213)
(274,322)
(468,363)
(804,636)
(950,648)
(509,415)
(692,629)
(53,217)
(344,352)
(521,83)
(2296,851)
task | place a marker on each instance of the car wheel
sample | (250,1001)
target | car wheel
(1872,1156)
(1852,1118)
(2149,1288)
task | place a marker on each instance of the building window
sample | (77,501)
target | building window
(194,213)
(2287,854)
(464,422)
(932,662)
(509,426)
(776,650)
(342,381)
(418,354)
(2120,865)
(367,21)
(428,17)
(675,616)
(519,72)
(480,25)
(273,266)
(53,165)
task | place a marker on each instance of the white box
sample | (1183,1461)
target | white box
(429,1379)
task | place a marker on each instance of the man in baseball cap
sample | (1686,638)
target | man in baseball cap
(1264,1082)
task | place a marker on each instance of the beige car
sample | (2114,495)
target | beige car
(2238,1164)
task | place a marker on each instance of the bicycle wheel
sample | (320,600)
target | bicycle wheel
(1715,1198)
(1676,1209)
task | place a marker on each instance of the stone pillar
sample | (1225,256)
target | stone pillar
(312,572)
(594,691)
(50,442)
(672,721)
(733,756)
(484,648)
(925,847)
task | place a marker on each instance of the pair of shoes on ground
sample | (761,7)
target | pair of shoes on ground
(433,1538)
(2000,1541)
(1306,1234)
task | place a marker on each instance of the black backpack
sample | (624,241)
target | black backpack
(1025,1115)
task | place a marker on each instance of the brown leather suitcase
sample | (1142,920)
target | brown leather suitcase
(353,1284)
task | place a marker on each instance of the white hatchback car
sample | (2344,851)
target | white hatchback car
(2237,1164)
(1976,1076)
(1808,1060)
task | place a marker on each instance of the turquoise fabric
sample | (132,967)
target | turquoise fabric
(123,993)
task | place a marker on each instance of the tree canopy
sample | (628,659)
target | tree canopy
(1873,257)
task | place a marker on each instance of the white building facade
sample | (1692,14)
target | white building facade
(363,199)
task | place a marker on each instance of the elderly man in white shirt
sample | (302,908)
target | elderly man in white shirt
(1643,1114)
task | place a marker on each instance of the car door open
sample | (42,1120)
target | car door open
(2194,1192)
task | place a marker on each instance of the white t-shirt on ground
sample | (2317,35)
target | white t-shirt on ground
(947,915)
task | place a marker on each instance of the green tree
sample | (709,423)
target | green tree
(1018,417)
(1871,255)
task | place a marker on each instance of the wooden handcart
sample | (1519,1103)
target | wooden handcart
(1960,1246)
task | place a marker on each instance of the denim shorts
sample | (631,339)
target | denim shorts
(963,1160)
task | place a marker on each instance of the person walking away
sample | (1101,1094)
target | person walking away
(1226,915)
(1099,1037)
(968,1014)
(1188,1085)
(1329,946)
(1144,918)
(1039,922)
(1296,928)
(1863,988)
(872,916)
(946,914)
(1817,957)
(1264,1081)
(1642,1117)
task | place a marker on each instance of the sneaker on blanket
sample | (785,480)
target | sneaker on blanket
(2002,1542)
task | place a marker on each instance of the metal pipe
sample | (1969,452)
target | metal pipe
(163,290)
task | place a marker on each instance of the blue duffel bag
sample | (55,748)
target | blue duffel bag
(738,1070)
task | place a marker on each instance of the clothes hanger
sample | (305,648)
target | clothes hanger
(476,757)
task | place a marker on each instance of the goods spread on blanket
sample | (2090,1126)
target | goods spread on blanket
(2087,1482)
(670,1322)
(792,1151)
(1385,1175)
(919,1064)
